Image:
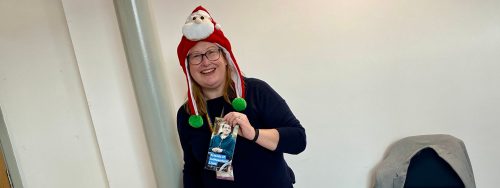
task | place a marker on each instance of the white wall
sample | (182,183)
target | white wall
(106,79)
(44,105)
(67,97)
(383,70)
(363,74)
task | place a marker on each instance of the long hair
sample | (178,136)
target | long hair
(229,92)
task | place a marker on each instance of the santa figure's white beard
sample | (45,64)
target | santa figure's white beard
(195,32)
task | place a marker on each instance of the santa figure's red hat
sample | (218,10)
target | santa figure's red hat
(200,26)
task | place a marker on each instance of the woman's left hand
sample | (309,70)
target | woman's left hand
(236,118)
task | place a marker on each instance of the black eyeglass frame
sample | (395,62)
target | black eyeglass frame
(218,51)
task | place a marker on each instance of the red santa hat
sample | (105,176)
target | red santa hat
(200,26)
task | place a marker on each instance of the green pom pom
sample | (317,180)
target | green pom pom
(239,104)
(195,121)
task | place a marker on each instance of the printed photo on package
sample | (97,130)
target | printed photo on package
(221,149)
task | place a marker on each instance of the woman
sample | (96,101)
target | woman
(268,128)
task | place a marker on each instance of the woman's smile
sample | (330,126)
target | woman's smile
(208,71)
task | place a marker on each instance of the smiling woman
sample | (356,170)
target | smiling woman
(266,126)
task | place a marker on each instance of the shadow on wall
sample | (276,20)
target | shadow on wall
(424,161)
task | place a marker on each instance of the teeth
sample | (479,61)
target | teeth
(207,71)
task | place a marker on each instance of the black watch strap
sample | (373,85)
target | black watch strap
(256,135)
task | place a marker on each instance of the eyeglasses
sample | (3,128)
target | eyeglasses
(212,55)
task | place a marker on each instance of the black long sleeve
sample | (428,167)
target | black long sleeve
(253,165)
(277,114)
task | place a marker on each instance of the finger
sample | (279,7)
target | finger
(230,118)
(240,119)
(234,118)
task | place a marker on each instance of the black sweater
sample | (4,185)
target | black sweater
(254,165)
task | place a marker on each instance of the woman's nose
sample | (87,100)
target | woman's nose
(204,60)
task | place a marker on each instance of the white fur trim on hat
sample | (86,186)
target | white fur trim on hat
(235,74)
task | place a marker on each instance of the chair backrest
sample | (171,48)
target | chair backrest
(427,169)
(436,160)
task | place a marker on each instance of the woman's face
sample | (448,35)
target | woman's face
(209,74)
(226,129)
